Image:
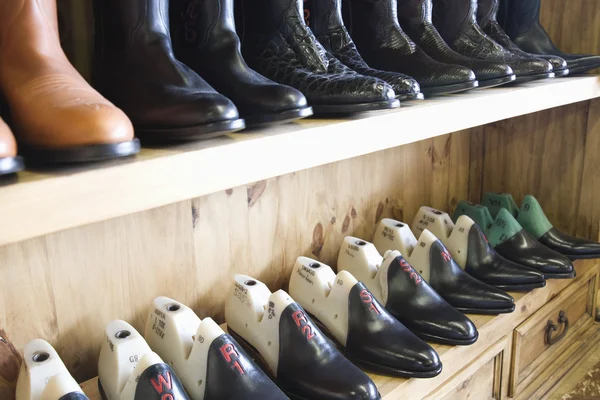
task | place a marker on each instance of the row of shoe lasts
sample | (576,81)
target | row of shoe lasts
(374,314)
(196,84)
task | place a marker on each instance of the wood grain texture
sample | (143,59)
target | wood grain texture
(573,25)
(10,363)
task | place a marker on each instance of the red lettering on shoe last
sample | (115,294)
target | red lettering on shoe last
(413,274)
(302,323)
(367,298)
(231,355)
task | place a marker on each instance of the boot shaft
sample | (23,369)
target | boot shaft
(202,23)
(487,11)
(323,15)
(415,11)
(449,16)
(518,16)
(375,22)
(121,24)
(267,17)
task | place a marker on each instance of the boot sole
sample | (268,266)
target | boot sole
(198,132)
(519,287)
(282,117)
(372,367)
(582,70)
(561,73)
(337,109)
(80,154)
(490,83)
(447,89)
(442,340)
(534,77)
(569,275)
(574,257)
(406,97)
(11,165)
(486,311)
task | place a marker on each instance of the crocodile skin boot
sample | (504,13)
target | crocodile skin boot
(487,11)
(456,22)
(521,21)
(277,43)
(325,20)
(55,115)
(415,18)
(204,38)
(135,68)
(9,161)
(373,24)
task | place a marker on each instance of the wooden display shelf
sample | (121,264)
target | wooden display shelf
(43,202)
(492,329)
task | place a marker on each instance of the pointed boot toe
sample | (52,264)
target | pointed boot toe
(531,69)
(450,326)
(573,247)
(579,64)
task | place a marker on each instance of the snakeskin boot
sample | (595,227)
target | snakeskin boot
(277,44)
(487,11)
(521,21)
(415,18)
(324,18)
(373,24)
(455,20)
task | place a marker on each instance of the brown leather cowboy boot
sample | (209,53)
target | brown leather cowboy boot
(9,162)
(56,116)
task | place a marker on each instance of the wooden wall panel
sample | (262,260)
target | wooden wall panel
(588,218)
(573,25)
(85,277)
(540,154)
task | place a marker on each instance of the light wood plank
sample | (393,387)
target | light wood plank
(51,201)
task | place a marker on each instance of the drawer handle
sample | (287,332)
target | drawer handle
(552,327)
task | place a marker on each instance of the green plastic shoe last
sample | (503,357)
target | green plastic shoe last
(531,215)
(496,201)
(497,231)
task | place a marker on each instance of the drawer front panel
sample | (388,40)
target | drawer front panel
(540,339)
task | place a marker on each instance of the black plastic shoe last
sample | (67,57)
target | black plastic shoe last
(204,38)
(435,264)
(277,43)
(415,18)
(511,241)
(472,252)
(373,24)
(521,21)
(405,294)
(213,368)
(456,22)
(325,20)
(487,12)
(280,335)
(135,68)
(362,328)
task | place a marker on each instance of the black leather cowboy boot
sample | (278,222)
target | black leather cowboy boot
(324,18)
(487,12)
(135,68)
(204,38)
(456,22)
(415,18)
(277,43)
(373,24)
(521,21)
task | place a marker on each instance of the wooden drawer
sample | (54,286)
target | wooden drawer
(485,378)
(537,347)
